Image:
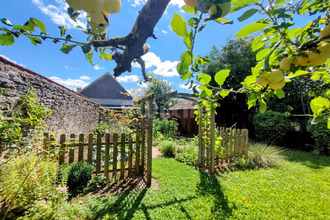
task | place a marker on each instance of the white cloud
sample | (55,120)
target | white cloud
(97,67)
(178,3)
(127,79)
(184,86)
(137,2)
(163,68)
(58,13)
(13,61)
(165,32)
(143,84)
(84,77)
(70,83)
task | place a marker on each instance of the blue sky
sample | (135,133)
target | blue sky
(74,70)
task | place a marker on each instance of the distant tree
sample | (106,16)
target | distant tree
(236,55)
(157,86)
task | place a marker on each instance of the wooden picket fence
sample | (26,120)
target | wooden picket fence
(234,144)
(118,155)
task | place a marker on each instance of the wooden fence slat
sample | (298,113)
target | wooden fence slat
(246,143)
(137,154)
(98,153)
(130,155)
(150,125)
(46,141)
(122,156)
(234,143)
(71,151)
(90,148)
(107,156)
(200,137)
(143,139)
(231,143)
(81,148)
(52,141)
(225,138)
(239,152)
(62,149)
(212,140)
(115,154)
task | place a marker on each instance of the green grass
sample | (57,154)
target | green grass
(298,189)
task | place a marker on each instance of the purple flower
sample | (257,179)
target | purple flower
(42,201)
(62,189)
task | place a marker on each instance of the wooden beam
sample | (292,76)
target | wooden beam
(149,153)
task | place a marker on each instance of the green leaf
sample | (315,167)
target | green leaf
(63,30)
(35,40)
(224,93)
(249,29)
(328,124)
(298,73)
(223,21)
(262,54)
(319,104)
(247,14)
(201,27)
(39,24)
(193,22)
(189,9)
(6,21)
(7,39)
(280,93)
(263,106)
(86,48)
(179,25)
(187,42)
(238,4)
(67,48)
(89,57)
(105,56)
(252,100)
(204,78)
(183,66)
(68,37)
(221,76)
(257,43)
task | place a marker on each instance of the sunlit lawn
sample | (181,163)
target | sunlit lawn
(299,189)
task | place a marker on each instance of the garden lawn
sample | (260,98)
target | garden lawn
(299,189)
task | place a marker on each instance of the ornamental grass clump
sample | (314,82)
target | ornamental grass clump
(264,155)
(167,148)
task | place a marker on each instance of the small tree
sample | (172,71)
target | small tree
(157,86)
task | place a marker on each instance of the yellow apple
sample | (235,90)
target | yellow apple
(275,76)
(114,6)
(191,3)
(262,80)
(285,64)
(277,85)
(325,32)
(313,59)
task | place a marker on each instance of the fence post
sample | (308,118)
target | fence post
(137,154)
(46,141)
(115,154)
(247,143)
(72,146)
(200,138)
(81,148)
(150,122)
(98,153)
(212,140)
(130,155)
(143,137)
(122,156)
(62,149)
(90,148)
(106,156)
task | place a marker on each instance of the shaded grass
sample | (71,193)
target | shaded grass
(294,190)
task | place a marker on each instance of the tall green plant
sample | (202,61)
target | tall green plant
(167,128)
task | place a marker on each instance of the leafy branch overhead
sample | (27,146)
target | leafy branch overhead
(123,50)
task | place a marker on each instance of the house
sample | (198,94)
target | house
(183,112)
(107,91)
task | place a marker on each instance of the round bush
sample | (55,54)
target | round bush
(321,136)
(167,148)
(77,176)
(272,127)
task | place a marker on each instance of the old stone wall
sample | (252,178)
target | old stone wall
(72,112)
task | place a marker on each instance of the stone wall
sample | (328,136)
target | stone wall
(72,112)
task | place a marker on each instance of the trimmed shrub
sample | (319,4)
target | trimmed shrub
(321,136)
(76,175)
(272,127)
(264,155)
(165,127)
(167,148)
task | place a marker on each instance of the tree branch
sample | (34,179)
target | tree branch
(134,41)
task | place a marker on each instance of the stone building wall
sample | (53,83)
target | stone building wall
(73,113)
